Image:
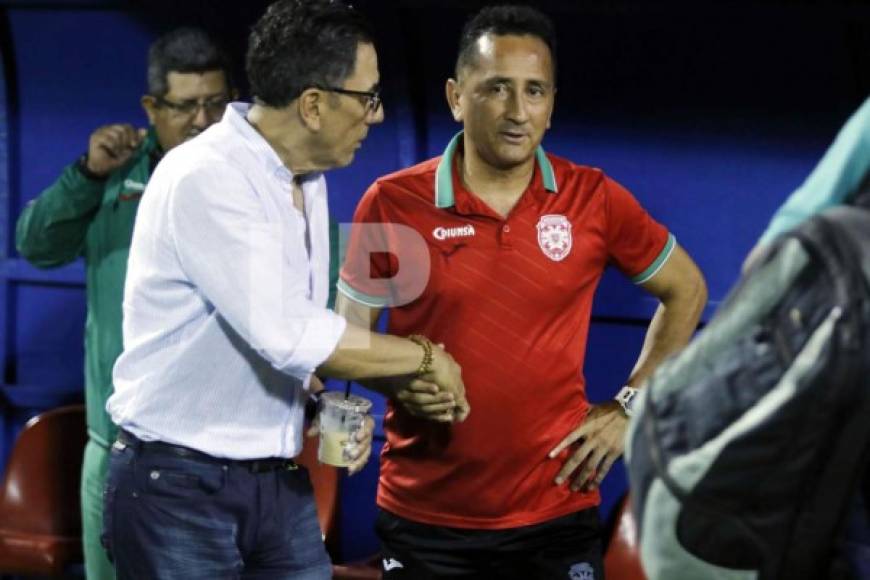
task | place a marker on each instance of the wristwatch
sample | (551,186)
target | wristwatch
(312,405)
(625,398)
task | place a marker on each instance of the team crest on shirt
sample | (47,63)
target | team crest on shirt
(554,236)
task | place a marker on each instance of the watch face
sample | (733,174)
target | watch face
(625,398)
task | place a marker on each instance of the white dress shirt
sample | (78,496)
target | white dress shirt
(225,312)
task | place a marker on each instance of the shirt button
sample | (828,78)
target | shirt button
(506,229)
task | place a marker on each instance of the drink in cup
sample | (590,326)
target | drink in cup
(340,418)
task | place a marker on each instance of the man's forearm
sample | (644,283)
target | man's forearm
(386,386)
(365,317)
(364,355)
(51,230)
(670,329)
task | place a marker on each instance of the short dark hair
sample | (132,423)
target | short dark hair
(505,20)
(299,44)
(183,50)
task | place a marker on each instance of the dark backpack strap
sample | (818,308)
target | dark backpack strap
(813,541)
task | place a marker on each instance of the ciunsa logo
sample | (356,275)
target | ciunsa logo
(442,233)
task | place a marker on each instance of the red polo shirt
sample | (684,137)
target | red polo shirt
(510,298)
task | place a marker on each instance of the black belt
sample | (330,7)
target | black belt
(127,439)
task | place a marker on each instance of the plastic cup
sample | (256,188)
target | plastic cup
(340,419)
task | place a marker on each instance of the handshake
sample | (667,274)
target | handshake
(414,372)
(437,392)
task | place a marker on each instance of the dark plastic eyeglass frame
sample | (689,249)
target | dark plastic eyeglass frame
(181,108)
(374,97)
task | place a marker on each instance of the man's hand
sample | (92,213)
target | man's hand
(111,146)
(601,436)
(361,450)
(446,374)
(424,399)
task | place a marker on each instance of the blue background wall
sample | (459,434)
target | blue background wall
(710,112)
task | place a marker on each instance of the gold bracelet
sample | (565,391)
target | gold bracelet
(426,364)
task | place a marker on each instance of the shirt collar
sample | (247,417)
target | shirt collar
(444,195)
(235,116)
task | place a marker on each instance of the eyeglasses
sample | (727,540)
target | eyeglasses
(372,98)
(213,107)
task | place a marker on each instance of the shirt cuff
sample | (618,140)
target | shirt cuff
(82,165)
(74,182)
(318,341)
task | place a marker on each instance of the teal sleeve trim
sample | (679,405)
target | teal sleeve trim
(364,299)
(837,176)
(657,264)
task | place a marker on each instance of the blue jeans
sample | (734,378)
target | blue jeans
(193,517)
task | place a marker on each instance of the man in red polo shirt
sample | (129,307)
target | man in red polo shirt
(514,242)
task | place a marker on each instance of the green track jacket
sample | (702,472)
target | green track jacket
(77,216)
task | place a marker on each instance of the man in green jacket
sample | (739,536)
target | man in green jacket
(89,211)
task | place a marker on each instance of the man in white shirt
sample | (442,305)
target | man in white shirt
(225,318)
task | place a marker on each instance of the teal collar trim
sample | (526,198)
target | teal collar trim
(548,176)
(444,175)
(444,196)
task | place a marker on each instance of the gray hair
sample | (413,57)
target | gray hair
(183,50)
